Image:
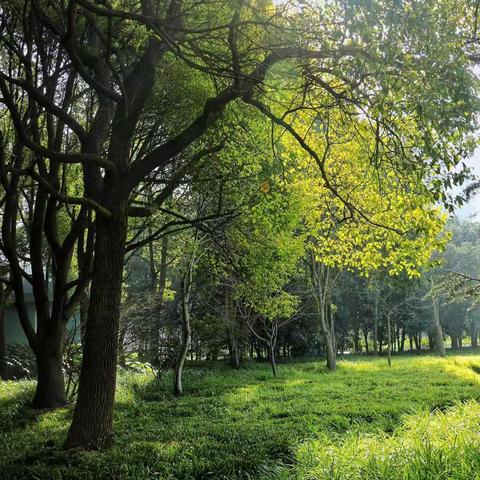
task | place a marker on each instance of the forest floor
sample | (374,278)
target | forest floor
(418,420)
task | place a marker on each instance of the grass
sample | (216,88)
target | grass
(418,420)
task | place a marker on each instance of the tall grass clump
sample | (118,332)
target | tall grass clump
(434,445)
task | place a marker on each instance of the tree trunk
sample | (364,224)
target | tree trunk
(3,347)
(272,360)
(437,328)
(230,319)
(93,416)
(474,333)
(375,323)
(187,332)
(83,310)
(50,391)
(356,341)
(365,336)
(186,340)
(234,354)
(454,341)
(389,339)
(331,353)
(158,288)
(402,342)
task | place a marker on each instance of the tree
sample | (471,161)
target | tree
(348,51)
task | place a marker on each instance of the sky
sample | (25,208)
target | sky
(471,211)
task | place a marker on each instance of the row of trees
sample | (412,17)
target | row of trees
(418,312)
(257,149)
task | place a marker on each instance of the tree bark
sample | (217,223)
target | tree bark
(356,341)
(3,346)
(402,342)
(93,416)
(50,391)
(272,360)
(322,281)
(230,319)
(331,353)
(365,337)
(187,332)
(437,328)
(375,322)
(83,311)
(474,333)
(162,282)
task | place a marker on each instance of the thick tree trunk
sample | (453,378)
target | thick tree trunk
(50,391)
(437,328)
(454,342)
(93,416)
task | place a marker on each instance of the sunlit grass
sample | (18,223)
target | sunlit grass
(432,445)
(244,424)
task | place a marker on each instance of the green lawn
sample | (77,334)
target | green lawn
(363,421)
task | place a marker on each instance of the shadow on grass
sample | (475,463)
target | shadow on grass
(15,405)
(231,423)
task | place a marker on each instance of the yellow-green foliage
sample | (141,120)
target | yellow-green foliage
(362,212)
